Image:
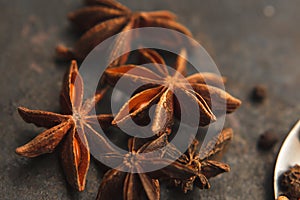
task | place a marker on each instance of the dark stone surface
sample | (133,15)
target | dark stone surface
(250,47)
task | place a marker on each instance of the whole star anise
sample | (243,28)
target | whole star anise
(71,128)
(201,161)
(104,18)
(158,85)
(131,182)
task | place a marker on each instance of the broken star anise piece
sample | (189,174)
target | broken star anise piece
(102,19)
(290,182)
(71,128)
(131,180)
(201,161)
(173,93)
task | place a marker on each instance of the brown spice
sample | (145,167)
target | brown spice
(202,162)
(282,198)
(267,140)
(259,93)
(70,128)
(158,87)
(102,19)
(290,182)
(125,185)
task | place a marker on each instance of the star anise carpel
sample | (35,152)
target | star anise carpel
(72,129)
(101,19)
(163,87)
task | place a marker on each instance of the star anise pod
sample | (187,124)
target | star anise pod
(202,162)
(104,18)
(131,182)
(72,129)
(159,85)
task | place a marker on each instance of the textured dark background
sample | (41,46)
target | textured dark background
(249,44)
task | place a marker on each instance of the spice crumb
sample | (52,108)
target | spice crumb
(282,198)
(269,11)
(267,140)
(290,182)
(259,93)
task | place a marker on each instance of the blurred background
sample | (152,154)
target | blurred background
(253,43)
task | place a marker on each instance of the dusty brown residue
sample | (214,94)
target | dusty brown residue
(35,67)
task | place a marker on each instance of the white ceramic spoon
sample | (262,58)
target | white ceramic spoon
(288,156)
